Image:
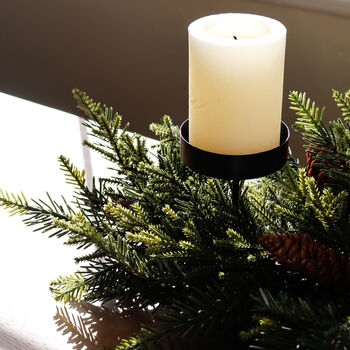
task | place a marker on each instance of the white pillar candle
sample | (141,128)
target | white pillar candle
(236,66)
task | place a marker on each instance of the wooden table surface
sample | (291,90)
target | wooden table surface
(32,137)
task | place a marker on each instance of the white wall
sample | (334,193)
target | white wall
(133,53)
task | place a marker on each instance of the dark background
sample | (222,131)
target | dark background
(132,54)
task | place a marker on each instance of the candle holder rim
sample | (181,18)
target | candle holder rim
(238,167)
(237,155)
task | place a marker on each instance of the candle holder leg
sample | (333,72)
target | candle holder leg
(234,186)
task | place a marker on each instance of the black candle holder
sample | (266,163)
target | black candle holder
(234,167)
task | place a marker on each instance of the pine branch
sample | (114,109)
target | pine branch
(208,318)
(310,122)
(343,102)
(105,125)
(86,104)
(73,175)
(167,132)
(97,255)
(69,288)
(150,339)
(103,151)
(91,199)
(300,323)
(16,204)
(114,247)
(41,215)
(326,149)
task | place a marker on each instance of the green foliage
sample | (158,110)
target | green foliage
(68,288)
(330,148)
(160,235)
(310,119)
(343,101)
(149,339)
(300,206)
(302,323)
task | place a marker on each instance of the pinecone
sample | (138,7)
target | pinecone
(300,253)
(124,203)
(315,170)
(318,168)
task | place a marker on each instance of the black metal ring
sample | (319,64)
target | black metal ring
(237,167)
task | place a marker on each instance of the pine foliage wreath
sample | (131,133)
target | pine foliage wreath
(271,272)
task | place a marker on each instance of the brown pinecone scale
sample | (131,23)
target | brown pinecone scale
(314,261)
(318,168)
(314,170)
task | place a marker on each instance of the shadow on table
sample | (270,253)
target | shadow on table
(94,327)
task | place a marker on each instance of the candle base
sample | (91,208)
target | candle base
(238,167)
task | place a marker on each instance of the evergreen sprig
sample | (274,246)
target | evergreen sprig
(329,147)
(343,101)
(310,121)
(302,323)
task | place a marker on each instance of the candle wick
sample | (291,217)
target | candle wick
(234,37)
